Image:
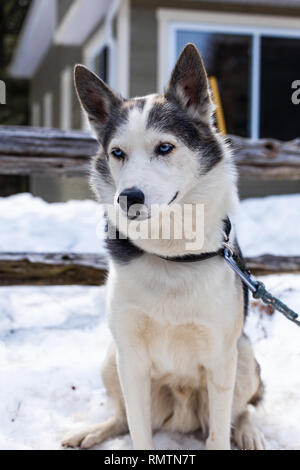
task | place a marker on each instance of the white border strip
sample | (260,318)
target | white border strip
(255,87)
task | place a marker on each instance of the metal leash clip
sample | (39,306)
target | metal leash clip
(258,288)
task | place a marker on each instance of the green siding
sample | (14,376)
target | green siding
(47,78)
(219,6)
(143,52)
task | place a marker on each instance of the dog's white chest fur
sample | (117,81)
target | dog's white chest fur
(173,308)
(177,351)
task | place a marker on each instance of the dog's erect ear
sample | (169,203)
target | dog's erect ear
(188,84)
(97,99)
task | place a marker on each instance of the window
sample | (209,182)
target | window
(279,66)
(254,68)
(101,64)
(99,55)
(228,59)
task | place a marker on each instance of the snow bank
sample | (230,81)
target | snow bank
(270,225)
(29,223)
(265,225)
(53,339)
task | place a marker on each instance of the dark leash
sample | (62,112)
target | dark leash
(257,288)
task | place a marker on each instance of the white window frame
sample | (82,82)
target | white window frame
(119,46)
(66,93)
(123,48)
(119,49)
(102,38)
(95,46)
(170,21)
(48,109)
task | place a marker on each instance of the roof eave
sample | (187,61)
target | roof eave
(35,39)
(81,19)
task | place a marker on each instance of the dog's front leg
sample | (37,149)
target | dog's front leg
(136,387)
(221,376)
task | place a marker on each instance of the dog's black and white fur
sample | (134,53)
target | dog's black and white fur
(179,361)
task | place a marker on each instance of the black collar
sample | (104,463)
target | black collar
(203,256)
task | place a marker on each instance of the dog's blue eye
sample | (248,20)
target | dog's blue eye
(163,149)
(118,153)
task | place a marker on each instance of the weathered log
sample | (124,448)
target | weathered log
(52,269)
(273,264)
(32,151)
(90,269)
(40,151)
(42,142)
(266,158)
(46,166)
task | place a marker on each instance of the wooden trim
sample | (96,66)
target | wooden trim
(123,48)
(234,18)
(66,97)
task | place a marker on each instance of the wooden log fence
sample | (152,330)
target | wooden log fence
(42,269)
(39,151)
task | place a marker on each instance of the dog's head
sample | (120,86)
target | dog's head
(155,148)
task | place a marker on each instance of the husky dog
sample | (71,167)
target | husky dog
(180,360)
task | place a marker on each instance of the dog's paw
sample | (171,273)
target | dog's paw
(248,437)
(84,438)
(95,434)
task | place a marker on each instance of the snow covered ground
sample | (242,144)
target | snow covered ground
(53,339)
(265,225)
(30,224)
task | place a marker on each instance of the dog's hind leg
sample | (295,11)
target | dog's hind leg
(248,390)
(97,433)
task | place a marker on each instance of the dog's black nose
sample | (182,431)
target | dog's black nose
(129,197)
